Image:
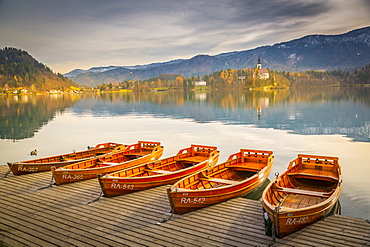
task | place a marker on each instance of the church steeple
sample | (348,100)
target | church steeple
(259,65)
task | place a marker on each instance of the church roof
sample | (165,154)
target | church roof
(261,71)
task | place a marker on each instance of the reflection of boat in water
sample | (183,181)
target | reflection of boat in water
(44,164)
(133,155)
(240,175)
(160,172)
(307,191)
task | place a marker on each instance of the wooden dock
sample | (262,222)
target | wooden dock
(63,216)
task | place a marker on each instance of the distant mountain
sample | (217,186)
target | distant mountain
(19,69)
(314,52)
(76,72)
(94,69)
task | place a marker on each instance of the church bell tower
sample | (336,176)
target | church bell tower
(259,65)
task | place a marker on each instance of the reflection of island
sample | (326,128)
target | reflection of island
(22,115)
(263,103)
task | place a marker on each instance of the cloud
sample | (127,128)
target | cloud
(73,34)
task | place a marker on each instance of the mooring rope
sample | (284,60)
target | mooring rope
(96,199)
(50,184)
(168,218)
(10,169)
(273,235)
(101,192)
(7,173)
(164,219)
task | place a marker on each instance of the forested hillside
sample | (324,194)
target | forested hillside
(18,69)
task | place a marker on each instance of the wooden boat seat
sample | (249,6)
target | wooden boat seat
(137,153)
(108,164)
(301,192)
(196,159)
(158,171)
(315,174)
(156,166)
(219,180)
(247,166)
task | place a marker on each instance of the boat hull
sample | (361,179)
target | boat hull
(89,169)
(288,222)
(45,164)
(120,182)
(305,193)
(185,200)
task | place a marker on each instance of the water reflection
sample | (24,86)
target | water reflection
(317,111)
(23,115)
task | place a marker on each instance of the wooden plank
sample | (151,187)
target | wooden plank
(80,220)
(50,225)
(240,232)
(100,215)
(13,237)
(28,231)
(217,223)
(60,216)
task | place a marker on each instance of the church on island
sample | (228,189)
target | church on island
(261,73)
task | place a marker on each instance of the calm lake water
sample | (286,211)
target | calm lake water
(321,121)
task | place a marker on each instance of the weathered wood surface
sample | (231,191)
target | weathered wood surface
(60,216)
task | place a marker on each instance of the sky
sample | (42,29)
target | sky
(70,34)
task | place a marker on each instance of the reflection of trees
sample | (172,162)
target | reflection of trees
(316,94)
(22,115)
(240,99)
(247,99)
(304,111)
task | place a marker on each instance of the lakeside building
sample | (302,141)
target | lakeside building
(262,73)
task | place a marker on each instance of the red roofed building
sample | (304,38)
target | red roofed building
(262,72)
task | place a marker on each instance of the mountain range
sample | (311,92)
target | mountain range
(347,51)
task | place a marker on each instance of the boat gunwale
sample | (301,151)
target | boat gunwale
(108,176)
(62,169)
(212,155)
(224,187)
(112,164)
(268,165)
(97,147)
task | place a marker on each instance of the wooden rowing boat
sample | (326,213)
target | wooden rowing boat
(303,194)
(161,172)
(135,154)
(44,164)
(241,174)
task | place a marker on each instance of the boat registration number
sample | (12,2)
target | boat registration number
(27,169)
(73,177)
(192,200)
(122,186)
(293,221)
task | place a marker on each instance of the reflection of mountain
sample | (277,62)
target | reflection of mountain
(21,116)
(315,111)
